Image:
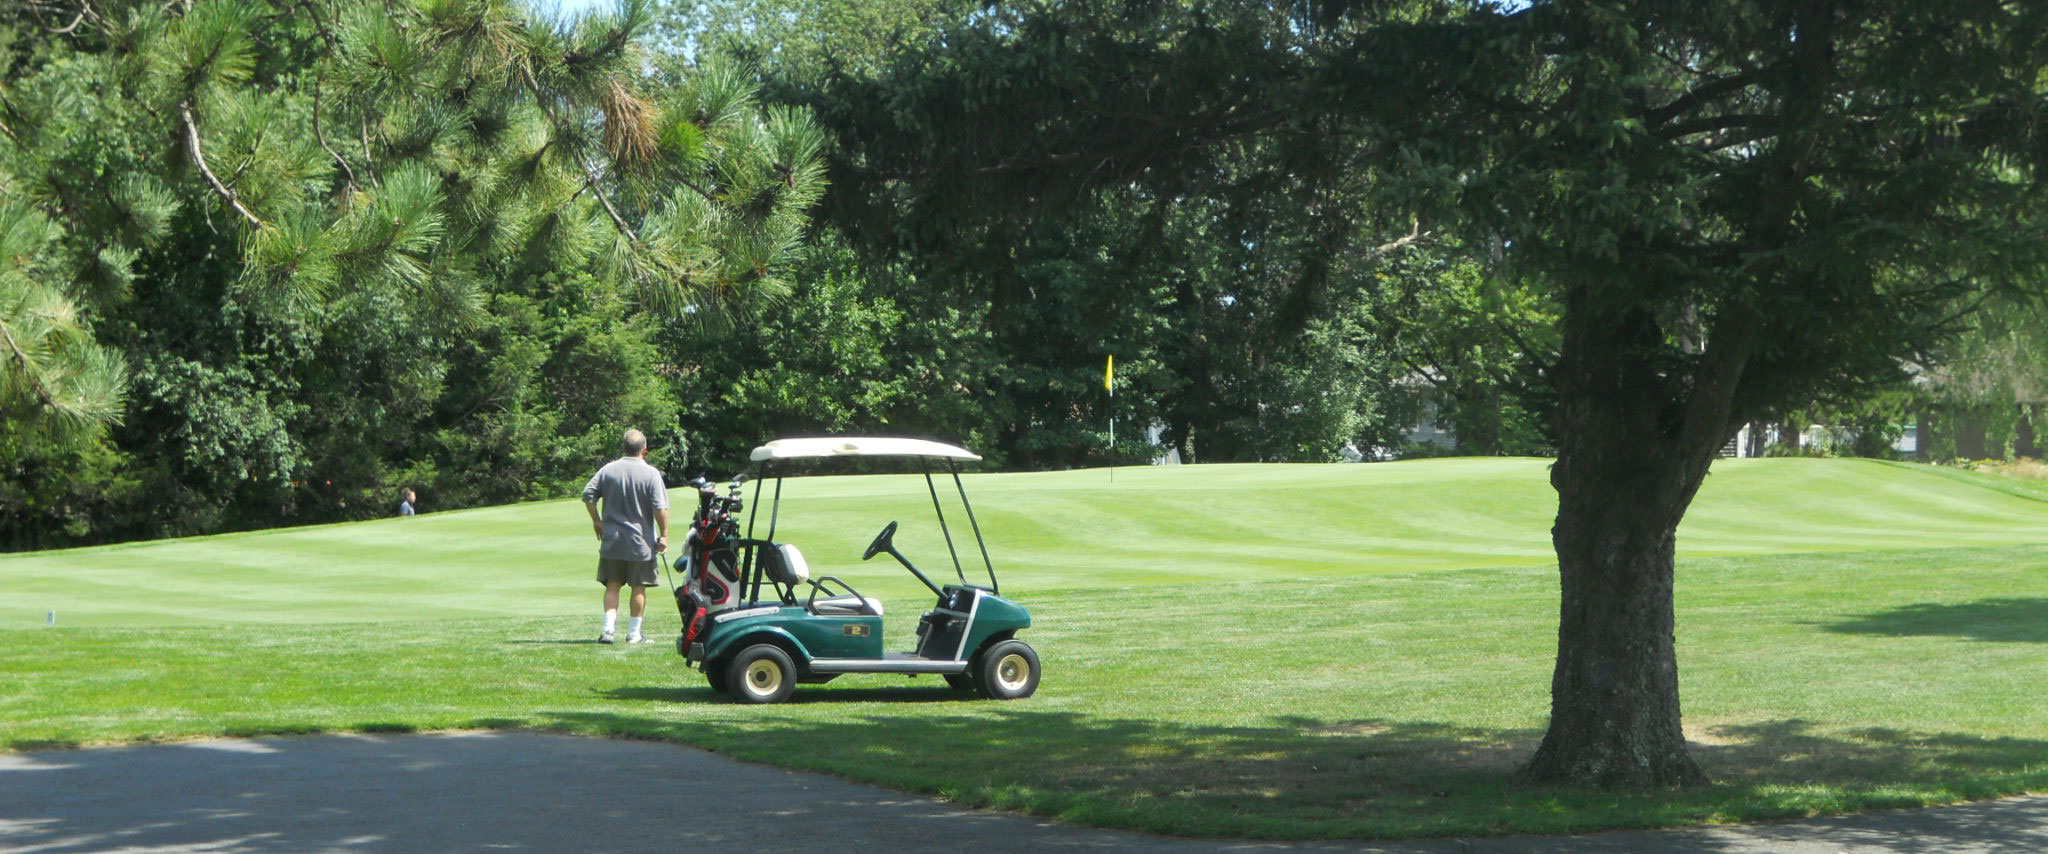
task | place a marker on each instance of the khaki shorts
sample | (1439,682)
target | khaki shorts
(638,573)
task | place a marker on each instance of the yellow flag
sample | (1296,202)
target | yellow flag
(1109,375)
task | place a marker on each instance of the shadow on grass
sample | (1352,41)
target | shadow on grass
(2004,620)
(1290,778)
(1946,766)
(1304,778)
(805,695)
(653,694)
(27,744)
(555,642)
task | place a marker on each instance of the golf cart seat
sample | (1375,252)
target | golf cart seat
(786,565)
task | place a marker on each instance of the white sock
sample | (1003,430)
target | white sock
(611,620)
(635,632)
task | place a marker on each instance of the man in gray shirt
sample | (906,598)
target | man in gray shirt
(631,529)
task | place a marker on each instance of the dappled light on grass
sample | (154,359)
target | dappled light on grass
(1800,749)
(1789,768)
(1136,773)
(1314,778)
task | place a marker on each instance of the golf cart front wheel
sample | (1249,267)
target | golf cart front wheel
(761,673)
(1007,671)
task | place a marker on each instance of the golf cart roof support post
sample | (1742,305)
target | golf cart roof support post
(753,567)
(979,541)
(775,510)
(943,528)
(753,570)
(754,509)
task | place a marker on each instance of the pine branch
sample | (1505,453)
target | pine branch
(28,375)
(319,24)
(72,27)
(699,190)
(320,83)
(591,182)
(1763,122)
(590,178)
(1415,235)
(1698,96)
(85,13)
(369,166)
(199,159)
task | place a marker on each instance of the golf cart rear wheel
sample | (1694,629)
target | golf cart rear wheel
(1007,670)
(761,673)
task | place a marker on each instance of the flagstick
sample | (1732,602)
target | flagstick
(1109,385)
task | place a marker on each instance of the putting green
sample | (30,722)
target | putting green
(1049,531)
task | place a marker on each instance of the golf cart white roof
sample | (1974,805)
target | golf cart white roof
(859,446)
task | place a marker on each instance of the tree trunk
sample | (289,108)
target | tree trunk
(1970,430)
(1478,434)
(1923,436)
(1631,457)
(2023,432)
(1614,697)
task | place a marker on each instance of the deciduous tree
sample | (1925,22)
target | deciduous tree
(1736,207)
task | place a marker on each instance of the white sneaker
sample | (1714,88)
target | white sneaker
(605,638)
(634,638)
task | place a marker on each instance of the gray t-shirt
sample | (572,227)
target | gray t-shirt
(632,491)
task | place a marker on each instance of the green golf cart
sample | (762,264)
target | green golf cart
(758,621)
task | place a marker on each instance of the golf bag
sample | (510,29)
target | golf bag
(711,558)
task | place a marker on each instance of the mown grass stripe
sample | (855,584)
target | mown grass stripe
(1214,664)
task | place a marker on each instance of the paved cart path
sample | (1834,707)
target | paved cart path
(514,791)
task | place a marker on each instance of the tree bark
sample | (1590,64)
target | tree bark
(1615,717)
(1177,438)
(2023,432)
(198,155)
(1970,430)
(1632,456)
(1479,434)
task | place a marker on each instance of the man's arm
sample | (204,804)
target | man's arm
(593,493)
(661,518)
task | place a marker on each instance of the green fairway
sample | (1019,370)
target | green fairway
(1050,531)
(1274,651)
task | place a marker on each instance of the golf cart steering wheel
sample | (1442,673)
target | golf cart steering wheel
(881,543)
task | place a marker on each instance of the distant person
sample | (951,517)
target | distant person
(631,529)
(405,504)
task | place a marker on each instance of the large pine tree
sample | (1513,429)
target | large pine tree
(290,216)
